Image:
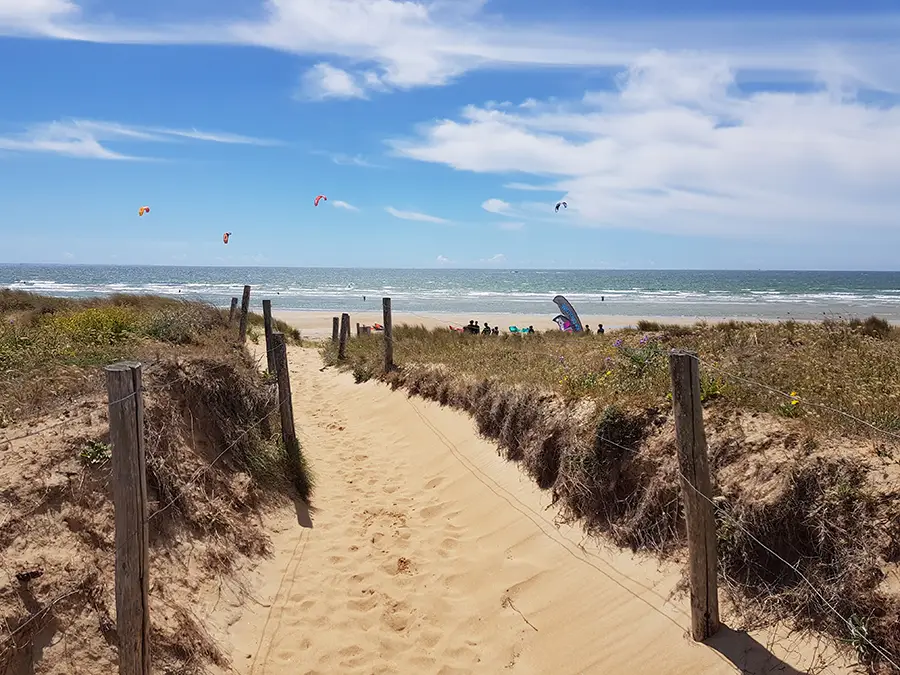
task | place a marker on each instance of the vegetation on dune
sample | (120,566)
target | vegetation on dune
(853,366)
(51,348)
(214,460)
(589,418)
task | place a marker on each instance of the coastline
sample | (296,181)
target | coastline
(317,324)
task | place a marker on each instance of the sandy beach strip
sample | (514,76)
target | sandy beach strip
(317,324)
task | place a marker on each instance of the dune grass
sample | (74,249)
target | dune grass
(853,366)
(54,348)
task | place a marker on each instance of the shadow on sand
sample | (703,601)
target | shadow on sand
(304,513)
(748,656)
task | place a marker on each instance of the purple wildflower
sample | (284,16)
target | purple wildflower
(618,343)
(645,339)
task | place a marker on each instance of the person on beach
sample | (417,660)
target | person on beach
(495,331)
(530,329)
(471,327)
(476,329)
(600,330)
(587,330)
(486,330)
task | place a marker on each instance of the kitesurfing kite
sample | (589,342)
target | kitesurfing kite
(143,210)
(225,237)
(568,319)
(563,204)
(564,324)
(320,197)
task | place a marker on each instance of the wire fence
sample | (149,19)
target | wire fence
(857,633)
(105,406)
(722,512)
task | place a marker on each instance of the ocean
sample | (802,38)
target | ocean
(709,294)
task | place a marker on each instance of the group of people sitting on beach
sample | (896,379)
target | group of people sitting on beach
(475,329)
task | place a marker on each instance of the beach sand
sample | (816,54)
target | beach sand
(316,325)
(428,553)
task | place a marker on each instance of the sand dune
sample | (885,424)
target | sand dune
(429,554)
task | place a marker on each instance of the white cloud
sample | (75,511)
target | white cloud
(497,206)
(496,258)
(87,138)
(531,188)
(399,44)
(443,260)
(511,225)
(354,160)
(324,81)
(414,215)
(681,148)
(343,205)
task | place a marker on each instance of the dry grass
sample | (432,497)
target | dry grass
(214,461)
(51,349)
(589,418)
(853,366)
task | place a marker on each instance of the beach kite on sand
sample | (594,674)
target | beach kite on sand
(568,319)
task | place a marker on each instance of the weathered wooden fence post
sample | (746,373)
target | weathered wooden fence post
(345,333)
(245,308)
(696,492)
(267,323)
(129,488)
(388,336)
(285,404)
(335,328)
(358,330)
(231,312)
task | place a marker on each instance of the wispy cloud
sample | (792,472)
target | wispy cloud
(680,147)
(497,206)
(400,44)
(531,188)
(343,205)
(88,139)
(443,260)
(494,259)
(414,215)
(343,159)
(324,81)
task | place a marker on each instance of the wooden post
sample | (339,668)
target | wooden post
(358,330)
(285,404)
(345,333)
(335,328)
(267,323)
(129,488)
(696,492)
(245,307)
(234,302)
(388,336)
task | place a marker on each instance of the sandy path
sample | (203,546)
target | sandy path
(429,554)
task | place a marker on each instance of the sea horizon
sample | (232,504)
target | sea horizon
(684,293)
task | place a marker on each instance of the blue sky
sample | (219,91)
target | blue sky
(681,134)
